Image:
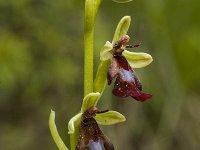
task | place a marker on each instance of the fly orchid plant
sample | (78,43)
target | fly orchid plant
(116,63)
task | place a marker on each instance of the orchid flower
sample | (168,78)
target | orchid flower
(123,62)
(103,118)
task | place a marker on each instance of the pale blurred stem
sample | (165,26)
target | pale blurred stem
(91,8)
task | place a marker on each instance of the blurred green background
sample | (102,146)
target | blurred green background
(41,68)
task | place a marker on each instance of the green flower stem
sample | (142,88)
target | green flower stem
(88,64)
(91,8)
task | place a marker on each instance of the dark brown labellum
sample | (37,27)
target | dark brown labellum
(126,83)
(91,137)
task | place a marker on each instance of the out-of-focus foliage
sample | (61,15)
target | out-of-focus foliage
(41,67)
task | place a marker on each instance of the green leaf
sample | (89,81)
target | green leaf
(89,101)
(74,120)
(54,132)
(122,1)
(109,118)
(137,60)
(122,28)
(106,51)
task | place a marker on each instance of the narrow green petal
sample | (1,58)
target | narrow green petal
(106,51)
(122,1)
(109,118)
(137,60)
(122,28)
(90,100)
(72,122)
(54,132)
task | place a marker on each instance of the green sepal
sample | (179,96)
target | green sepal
(122,1)
(73,129)
(109,118)
(90,100)
(100,81)
(122,29)
(137,60)
(101,76)
(54,132)
(106,51)
(74,121)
